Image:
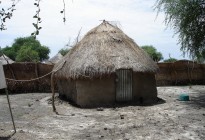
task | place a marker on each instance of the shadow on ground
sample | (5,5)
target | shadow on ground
(198,100)
(6,137)
(62,99)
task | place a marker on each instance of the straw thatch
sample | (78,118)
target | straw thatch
(5,60)
(55,59)
(103,50)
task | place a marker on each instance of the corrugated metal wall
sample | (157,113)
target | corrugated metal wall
(124,85)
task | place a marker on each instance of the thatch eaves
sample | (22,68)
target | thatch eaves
(103,50)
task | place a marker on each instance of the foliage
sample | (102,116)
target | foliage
(30,42)
(38,19)
(1,53)
(63,52)
(170,60)
(200,57)
(9,52)
(156,56)
(27,54)
(186,17)
(43,52)
(7,13)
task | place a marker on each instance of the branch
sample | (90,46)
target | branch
(38,19)
(63,12)
(7,14)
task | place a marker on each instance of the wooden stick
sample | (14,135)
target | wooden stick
(53,85)
(53,93)
(7,95)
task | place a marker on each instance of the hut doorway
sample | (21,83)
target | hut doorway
(124,85)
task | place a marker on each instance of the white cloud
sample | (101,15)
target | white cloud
(136,17)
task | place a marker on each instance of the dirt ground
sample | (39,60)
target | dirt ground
(169,119)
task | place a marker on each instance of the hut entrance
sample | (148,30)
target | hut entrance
(124,85)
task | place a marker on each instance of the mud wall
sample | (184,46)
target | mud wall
(27,71)
(67,89)
(144,87)
(102,91)
(96,92)
(182,72)
(178,73)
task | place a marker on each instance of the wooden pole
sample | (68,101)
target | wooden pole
(53,92)
(7,95)
(53,86)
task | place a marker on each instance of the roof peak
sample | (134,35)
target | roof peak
(103,50)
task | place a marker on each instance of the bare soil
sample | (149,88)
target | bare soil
(169,119)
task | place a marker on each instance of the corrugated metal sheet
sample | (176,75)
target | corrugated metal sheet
(124,85)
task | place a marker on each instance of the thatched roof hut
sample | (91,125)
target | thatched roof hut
(102,52)
(55,59)
(5,60)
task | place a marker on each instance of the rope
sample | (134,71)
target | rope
(30,79)
(34,78)
(53,71)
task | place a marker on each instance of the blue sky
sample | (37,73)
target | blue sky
(135,17)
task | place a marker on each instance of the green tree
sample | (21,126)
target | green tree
(200,57)
(63,52)
(156,56)
(27,54)
(186,17)
(170,60)
(43,52)
(9,52)
(32,43)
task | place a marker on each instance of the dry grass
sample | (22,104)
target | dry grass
(103,50)
(55,59)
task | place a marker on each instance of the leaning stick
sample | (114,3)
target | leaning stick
(53,92)
(7,95)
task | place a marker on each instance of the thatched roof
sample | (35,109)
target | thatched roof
(5,60)
(103,50)
(55,59)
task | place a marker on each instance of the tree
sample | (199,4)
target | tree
(18,48)
(9,52)
(43,52)
(63,52)
(156,56)
(200,57)
(170,60)
(187,18)
(27,54)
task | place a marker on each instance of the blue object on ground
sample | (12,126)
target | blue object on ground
(184,97)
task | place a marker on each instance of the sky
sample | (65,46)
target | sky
(136,18)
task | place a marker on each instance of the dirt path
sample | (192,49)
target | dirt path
(170,120)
